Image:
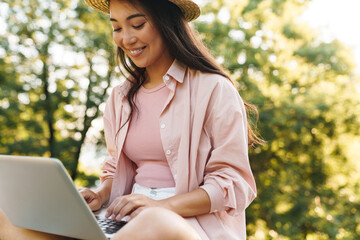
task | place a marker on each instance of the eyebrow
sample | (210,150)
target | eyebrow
(129,17)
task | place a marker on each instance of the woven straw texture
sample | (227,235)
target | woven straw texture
(190,9)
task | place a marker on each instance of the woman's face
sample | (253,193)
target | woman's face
(136,35)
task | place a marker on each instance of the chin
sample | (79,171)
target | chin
(140,64)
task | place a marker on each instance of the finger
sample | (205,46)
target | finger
(129,207)
(83,190)
(112,206)
(80,190)
(119,217)
(134,203)
(88,195)
(118,208)
(94,204)
(123,205)
(109,209)
(126,211)
(135,213)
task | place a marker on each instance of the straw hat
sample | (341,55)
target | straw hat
(190,9)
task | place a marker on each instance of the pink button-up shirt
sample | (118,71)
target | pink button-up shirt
(203,129)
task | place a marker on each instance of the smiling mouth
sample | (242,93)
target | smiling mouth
(136,51)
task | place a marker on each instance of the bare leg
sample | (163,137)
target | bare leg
(157,224)
(9,232)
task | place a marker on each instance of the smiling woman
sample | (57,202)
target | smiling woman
(137,37)
(176,131)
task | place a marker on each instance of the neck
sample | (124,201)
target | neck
(155,73)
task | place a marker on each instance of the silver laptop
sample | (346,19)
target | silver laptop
(38,193)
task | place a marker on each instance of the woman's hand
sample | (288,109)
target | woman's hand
(92,199)
(131,205)
(4,222)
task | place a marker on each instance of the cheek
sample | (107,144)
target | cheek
(152,37)
(159,44)
(116,38)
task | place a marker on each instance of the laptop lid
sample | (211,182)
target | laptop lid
(38,193)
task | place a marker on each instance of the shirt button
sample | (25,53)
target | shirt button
(168,152)
(162,126)
(166,78)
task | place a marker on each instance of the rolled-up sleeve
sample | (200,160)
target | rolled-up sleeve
(228,179)
(109,167)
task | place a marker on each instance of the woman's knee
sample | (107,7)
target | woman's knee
(5,226)
(166,224)
(160,223)
(162,215)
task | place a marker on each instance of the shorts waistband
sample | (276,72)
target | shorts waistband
(154,193)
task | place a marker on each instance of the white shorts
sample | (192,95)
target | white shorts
(154,193)
(159,194)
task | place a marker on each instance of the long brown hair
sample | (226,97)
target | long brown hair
(183,45)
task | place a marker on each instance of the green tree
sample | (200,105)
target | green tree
(304,90)
(56,68)
(62,69)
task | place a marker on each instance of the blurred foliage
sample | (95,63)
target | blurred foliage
(56,69)
(57,65)
(309,106)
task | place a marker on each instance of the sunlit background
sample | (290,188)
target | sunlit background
(298,61)
(332,19)
(336,19)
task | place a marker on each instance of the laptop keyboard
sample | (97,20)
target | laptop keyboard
(109,226)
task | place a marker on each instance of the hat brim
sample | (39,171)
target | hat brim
(190,9)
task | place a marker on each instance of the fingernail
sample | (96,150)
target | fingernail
(107,214)
(113,217)
(118,218)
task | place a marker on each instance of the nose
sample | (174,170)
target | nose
(124,39)
(128,38)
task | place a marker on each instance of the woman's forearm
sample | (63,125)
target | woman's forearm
(189,204)
(104,190)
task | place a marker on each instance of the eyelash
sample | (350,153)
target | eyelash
(136,27)
(139,26)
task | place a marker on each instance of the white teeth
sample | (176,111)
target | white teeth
(135,51)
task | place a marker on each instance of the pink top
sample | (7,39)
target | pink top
(205,142)
(143,142)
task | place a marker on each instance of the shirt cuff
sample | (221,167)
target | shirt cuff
(216,196)
(104,177)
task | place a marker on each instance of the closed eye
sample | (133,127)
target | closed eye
(136,27)
(139,26)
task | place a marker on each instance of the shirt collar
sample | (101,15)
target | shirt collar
(124,88)
(176,71)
